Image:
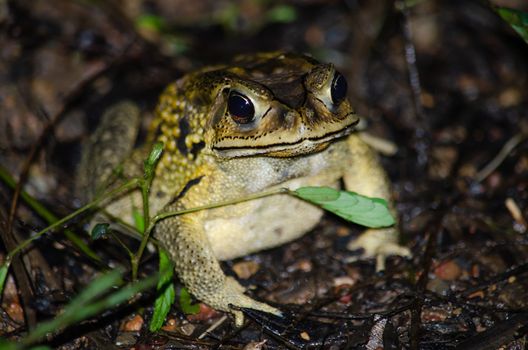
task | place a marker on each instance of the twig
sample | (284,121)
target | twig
(516,271)
(499,158)
(421,284)
(213,327)
(21,277)
(493,338)
(421,132)
(516,213)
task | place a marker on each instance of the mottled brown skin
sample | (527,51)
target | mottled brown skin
(298,137)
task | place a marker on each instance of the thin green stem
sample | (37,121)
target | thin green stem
(220,204)
(129,230)
(144,184)
(125,187)
(165,215)
(121,243)
(47,215)
(33,204)
(145,189)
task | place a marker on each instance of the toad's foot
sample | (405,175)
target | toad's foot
(378,243)
(231,296)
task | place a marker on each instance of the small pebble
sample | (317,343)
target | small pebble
(170,325)
(246,269)
(126,339)
(448,271)
(344,280)
(133,325)
(187,328)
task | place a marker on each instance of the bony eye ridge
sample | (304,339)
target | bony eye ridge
(240,107)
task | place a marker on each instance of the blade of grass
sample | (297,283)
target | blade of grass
(74,311)
(82,307)
(48,216)
(518,20)
(3,275)
(166,294)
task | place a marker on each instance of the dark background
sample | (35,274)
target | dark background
(62,63)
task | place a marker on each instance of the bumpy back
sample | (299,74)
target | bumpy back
(107,148)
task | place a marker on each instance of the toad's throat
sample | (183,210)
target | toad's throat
(286,149)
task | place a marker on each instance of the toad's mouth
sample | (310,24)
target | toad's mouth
(303,145)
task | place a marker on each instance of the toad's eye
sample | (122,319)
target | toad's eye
(240,107)
(338,88)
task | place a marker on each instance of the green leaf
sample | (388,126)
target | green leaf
(176,45)
(166,293)
(151,22)
(139,220)
(185,303)
(154,155)
(362,210)
(3,275)
(228,15)
(282,14)
(518,20)
(150,162)
(7,345)
(100,230)
(317,194)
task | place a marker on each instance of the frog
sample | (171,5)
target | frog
(262,122)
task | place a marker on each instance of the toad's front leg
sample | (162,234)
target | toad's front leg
(365,175)
(197,267)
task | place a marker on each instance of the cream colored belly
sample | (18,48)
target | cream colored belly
(269,222)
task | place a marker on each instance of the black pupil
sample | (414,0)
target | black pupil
(240,107)
(339,88)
